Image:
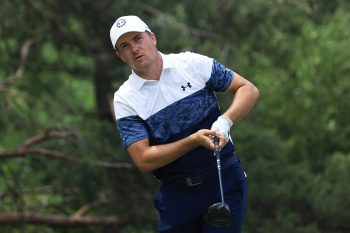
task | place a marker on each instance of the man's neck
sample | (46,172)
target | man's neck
(154,71)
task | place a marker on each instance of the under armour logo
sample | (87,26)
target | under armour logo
(184,87)
(121,23)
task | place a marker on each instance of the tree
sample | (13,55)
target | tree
(62,162)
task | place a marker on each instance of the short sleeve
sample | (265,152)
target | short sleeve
(131,129)
(221,77)
(130,126)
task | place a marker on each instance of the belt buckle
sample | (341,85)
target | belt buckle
(190,183)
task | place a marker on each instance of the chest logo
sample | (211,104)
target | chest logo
(188,85)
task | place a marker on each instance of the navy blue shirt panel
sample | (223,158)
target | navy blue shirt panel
(197,111)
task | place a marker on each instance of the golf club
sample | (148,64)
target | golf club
(219,213)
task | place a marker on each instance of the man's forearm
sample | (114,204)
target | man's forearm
(160,155)
(244,100)
(148,158)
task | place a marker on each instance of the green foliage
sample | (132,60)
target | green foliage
(330,193)
(294,145)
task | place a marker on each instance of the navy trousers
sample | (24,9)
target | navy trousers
(181,207)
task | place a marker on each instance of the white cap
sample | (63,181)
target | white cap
(124,24)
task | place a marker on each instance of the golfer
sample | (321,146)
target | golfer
(167,115)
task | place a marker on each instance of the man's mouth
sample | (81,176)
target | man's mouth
(138,57)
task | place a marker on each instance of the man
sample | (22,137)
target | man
(167,116)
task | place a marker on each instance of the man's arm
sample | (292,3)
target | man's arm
(148,158)
(245,95)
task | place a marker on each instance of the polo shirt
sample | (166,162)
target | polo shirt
(180,103)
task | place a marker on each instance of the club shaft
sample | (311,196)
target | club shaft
(220,179)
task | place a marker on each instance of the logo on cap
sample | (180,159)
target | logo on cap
(121,23)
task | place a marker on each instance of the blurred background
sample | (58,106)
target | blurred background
(62,166)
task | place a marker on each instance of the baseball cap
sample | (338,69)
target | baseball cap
(124,24)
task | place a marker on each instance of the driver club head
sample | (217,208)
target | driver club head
(218,215)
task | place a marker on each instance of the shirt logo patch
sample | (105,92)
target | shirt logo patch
(121,23)
(188,85)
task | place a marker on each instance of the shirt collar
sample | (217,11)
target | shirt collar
(167,63)
(138,82)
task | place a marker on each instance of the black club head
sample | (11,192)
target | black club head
(218,215)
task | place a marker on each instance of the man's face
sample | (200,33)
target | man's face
(137,49)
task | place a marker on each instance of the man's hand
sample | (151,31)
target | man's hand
(205,138)
(222,126)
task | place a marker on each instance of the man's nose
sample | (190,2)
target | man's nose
(134,47)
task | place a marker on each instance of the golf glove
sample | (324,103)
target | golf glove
(222,125)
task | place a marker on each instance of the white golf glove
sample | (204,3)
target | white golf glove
(222,126)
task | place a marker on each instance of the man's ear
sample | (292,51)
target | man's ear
(118,55)
(153,38)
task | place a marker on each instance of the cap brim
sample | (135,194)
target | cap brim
(126,31)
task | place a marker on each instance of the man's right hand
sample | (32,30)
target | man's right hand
(204,137)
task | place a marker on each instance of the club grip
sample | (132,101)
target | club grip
(216,144)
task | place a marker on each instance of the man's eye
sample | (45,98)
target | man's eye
(123,46)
